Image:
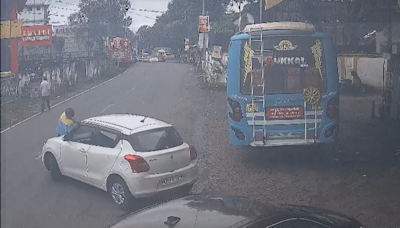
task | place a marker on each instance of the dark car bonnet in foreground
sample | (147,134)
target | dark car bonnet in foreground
(213,211)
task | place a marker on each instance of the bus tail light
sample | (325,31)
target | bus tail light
(238,134)
(332,110)
(138,164)
(237,113)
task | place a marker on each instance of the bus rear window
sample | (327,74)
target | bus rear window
(289,65)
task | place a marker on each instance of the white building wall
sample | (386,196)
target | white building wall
(370,69)
(33,15)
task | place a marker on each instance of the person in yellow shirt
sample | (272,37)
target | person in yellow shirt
(66,122)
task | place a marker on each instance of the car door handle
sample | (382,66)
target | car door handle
(82,150)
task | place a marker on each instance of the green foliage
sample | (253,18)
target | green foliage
(103,18)
(181,21)
(46,16)
(109,69)
(374,11)
(58,44)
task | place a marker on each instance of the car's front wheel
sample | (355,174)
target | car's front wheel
(55,172)
(120,193)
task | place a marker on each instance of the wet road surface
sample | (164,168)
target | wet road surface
(30,199)
(361,180)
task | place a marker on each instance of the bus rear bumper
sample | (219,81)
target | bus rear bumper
(288,142)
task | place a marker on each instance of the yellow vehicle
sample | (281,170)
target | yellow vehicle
(161,55)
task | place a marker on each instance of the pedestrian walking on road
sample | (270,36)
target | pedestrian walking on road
(45,91)
(66,122)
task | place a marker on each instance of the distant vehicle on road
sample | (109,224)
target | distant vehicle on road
(146,58)
(136,59)
(283,86)
(161,55)
(216,211)
(154,59)
(120,50)
(129,156)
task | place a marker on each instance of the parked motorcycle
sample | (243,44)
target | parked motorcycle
(347,85)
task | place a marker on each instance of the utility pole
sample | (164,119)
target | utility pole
(240,15)
(261,10)
(389,71)
(204,34)
(394,77)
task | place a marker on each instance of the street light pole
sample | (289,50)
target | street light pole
(204,9)
(240,14)
(261,10)
(204,34)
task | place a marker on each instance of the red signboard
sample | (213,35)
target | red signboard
(120,49)
(38,35)
(282,113)
(204,24)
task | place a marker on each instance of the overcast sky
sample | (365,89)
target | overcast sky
(61,9)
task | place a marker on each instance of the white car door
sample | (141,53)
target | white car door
(74,152)
(102,156)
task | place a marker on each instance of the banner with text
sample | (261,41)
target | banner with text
(204,24)
(39,35)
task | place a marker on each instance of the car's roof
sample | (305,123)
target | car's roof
(126,123)
(215,211)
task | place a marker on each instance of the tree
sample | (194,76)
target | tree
(144,34)
(357,17)
(181,21)
(103,18)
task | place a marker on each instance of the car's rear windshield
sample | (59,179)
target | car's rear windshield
(156,139)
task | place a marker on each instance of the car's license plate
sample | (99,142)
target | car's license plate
(171,180)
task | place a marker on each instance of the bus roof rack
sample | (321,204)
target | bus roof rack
(282,25)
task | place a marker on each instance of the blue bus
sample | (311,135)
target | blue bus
(283,86)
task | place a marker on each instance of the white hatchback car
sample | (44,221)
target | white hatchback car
(127,155)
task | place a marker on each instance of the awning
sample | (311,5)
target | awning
(271,3)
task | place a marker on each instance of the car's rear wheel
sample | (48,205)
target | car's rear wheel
(120,193)
(55,172)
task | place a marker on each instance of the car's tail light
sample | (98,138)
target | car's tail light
(332,110)
(193,153)
(138,164)
(236,114)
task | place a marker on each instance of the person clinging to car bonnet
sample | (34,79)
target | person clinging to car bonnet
(66,122)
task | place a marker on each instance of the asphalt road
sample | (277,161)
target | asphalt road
(30,199)
(361,180)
